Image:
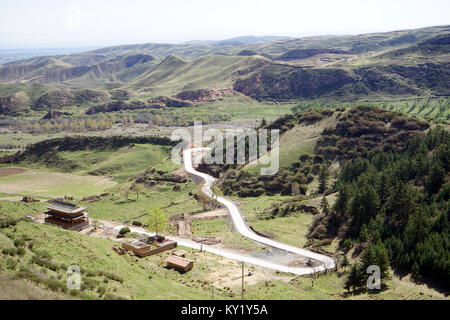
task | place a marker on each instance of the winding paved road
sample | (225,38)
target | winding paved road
(242,227)
(244,230)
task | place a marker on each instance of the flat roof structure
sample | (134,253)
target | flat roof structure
(179,263)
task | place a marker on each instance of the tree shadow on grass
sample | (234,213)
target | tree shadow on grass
(428,282)
(125,201)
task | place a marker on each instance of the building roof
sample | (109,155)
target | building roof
(63,217)
(178,261)
(137,244)
(179,253)
(65,207)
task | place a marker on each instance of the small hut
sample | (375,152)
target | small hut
(180,264)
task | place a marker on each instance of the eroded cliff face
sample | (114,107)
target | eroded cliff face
(310,83)
(54,70)
(293,83)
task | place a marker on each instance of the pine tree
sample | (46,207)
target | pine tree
(376,254)
(383,187)
(436,177)
(402,203)
(325,206)
(363,234)
(364,207)
(355,278)
(418,227)
(323,179)
(343,199)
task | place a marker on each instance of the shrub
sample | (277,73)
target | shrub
(44,263)
(10,251)
(124,231)
(346,244)
(21,251)
(89,284)
(56,285)
(74,292)
(11,264)
(19,242)
(114,277)
(101,290)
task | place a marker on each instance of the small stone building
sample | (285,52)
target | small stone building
(179,263)
(143,249)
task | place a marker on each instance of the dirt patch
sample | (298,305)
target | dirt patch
(180,173)
(230,275)
(182,222)
(5,172)
(13,199)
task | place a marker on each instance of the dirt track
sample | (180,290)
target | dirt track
(5,172)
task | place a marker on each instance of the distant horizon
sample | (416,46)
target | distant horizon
(104,23)
(105,45)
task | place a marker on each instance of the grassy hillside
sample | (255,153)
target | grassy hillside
(174,74)
(105,274)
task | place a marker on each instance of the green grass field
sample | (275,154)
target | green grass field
(43,183)
(121,163)
(221,229)
(117,208)
(139,278)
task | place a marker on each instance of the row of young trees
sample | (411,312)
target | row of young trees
(400,202)
(65,124)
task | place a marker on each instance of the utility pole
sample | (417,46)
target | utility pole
(242,280)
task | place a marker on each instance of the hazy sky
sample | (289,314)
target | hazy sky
(44,23)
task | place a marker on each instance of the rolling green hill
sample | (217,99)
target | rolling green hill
(381,67)
(174,74)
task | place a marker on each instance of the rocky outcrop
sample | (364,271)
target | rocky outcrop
(295,83)
(63,98)
(14,72)
(204,95)
(288,82)
(169,102)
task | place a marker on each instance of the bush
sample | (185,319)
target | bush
(101,290)
(124,231)
(56,285)
(21,252)
(346,244)
(74,292)
(44,263)
(11,264)
(114,277)
(10,251)
(19,242)
(89,284)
